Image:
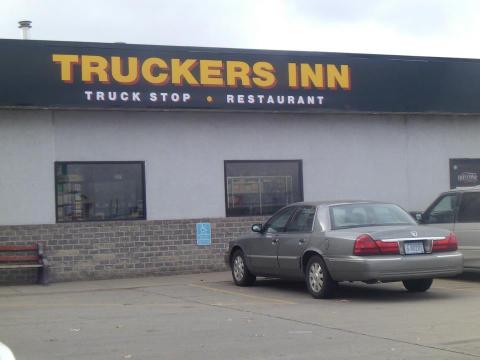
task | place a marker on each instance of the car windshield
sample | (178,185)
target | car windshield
(366,214)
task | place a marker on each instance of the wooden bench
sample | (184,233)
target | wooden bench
(25,256)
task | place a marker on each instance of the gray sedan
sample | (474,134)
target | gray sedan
(325,243)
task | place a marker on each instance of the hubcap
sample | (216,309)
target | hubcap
(315,277)
(238,268)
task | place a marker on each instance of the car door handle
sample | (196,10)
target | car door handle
(275,241)
(301,241)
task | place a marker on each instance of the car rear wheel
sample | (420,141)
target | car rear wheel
(240,273)
(319,283)
(417,285)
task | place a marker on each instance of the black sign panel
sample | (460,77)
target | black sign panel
(92,75)
(464,172)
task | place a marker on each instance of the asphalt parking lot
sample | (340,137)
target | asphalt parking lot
(204,316)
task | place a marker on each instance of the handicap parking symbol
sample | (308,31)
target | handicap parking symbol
(204,233)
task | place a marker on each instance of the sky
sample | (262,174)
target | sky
(447,28)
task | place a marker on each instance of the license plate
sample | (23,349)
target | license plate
(414,247)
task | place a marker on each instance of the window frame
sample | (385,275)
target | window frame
(300,180)
(144,197)
(459,206)
(292,208)
(428,211)
(300,208)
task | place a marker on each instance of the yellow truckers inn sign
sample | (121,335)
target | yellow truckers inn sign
(254,78)
(45,74)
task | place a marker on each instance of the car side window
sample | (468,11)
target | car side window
(469,210)
(302,220)
(278,222)
(443,210)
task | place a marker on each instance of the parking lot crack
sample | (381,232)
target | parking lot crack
(315,324)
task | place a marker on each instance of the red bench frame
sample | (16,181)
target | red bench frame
(10,259)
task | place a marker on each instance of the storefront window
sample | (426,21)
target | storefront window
(262,187)
(89,191)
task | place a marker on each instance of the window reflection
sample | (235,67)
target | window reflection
(261,187)
(99,191)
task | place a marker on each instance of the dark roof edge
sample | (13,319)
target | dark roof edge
(124,46)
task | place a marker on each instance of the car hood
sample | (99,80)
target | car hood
(403,232)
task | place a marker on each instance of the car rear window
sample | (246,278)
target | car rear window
(364,214)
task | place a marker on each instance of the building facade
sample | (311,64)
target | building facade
(113,154)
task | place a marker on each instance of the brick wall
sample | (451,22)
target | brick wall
(102,250)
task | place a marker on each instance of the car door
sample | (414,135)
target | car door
(293,242)
(467,228)
(442,213)
(263,250)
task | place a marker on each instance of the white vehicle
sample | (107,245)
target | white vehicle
(6,353)
(458,211)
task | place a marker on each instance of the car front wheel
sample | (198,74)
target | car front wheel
(417,285)
(240,273)
(319,283)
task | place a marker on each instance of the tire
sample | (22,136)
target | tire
(240,273)
(319,283)
(417,285)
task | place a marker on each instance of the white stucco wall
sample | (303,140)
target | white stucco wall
(384,157)
(26,168)
(432,141)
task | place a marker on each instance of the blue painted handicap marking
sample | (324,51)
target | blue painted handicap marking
(204,234)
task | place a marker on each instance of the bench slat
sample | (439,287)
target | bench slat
(11,257)
(18,258)
(18,266)
(18,248)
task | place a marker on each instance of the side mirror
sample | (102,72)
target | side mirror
(257,228)
(417,216)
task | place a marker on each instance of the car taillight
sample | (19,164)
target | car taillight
(450,243)
(365,245)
